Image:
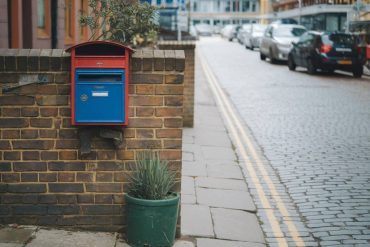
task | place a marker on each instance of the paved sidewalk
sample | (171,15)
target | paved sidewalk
(217,209)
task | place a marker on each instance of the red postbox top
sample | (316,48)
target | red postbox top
(99,48)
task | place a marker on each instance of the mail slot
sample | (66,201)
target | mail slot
(99,83)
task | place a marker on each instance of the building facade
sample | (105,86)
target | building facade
(42,23)
(321,15)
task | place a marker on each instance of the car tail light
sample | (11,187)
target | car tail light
(325,48)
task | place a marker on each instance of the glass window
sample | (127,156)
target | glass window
(245,5)
(288,31)
(254,7)
(43,18)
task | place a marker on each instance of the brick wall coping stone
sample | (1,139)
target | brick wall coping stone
(35,60)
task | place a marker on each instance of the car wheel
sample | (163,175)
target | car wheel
(262,57)
(357,72)
(311,68)
(291,64)
(271,56)
(252,48)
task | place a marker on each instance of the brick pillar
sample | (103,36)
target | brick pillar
(44,178)
(189,48)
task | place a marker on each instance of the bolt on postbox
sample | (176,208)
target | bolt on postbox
(99,83)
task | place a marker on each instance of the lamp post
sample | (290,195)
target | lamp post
(300,12)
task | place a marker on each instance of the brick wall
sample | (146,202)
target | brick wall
(44,178)
(189,48)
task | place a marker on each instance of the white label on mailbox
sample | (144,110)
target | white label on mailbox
(100,94)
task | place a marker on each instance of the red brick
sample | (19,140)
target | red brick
(145,89)
(146,100)
(168,112)
(4,145)
(64,89)
(169,90)
(170,154)
(11,112)
(49,112)
(49,155)
(67,144)
(125,155)
(144,111)
(104,187)
(106,155)
(85,198)
(10,177)
(103,199)
(29,177)
(41,122)
(52,100)
(104,177)
(145,123)
(169,133)
(47,177)
(67,155)
(16,100)
(13,122)
(30,155)
(68,134)
(29,134)
(32,144)
(174,79)
(12,155)
(121,177)
(11,134)
(29,166)
(67,166)
(85,177)
(144,133)
(173,100)
(129,133)
(65,111)
(66,177)
(30,112)
(48,133)
(67,199)
(143,144)
(172,144)
(173,122)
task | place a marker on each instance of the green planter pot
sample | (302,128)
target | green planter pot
(151,223)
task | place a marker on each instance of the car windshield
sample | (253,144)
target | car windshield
(289,31)
(338,39)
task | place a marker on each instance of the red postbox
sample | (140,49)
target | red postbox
(99,83)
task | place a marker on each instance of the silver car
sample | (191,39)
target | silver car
(277,41)
(252,39)
(243,32)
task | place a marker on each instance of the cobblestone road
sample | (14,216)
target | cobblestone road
(314,132)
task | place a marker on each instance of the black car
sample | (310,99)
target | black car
(326,51)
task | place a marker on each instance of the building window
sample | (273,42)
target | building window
(245,5)
(69,21)
(43,18)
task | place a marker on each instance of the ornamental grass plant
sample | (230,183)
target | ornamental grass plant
(151,180)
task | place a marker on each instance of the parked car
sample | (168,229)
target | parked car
(253,38)
(326,51)
(242,32)
(277,41)
(229,32)
(204,29)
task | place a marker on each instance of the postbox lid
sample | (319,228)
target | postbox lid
(102,43)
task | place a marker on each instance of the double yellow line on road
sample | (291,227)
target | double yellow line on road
(244,145)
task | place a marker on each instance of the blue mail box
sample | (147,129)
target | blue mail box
(99,96)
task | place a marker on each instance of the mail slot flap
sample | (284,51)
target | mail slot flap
(100,76)
(100,62)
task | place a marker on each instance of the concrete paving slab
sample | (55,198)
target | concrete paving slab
(224,171)
(217,153)
(213,138)
(196,221)
(182,243)
(62,238)
(236,225)
(188,199)
(222,162)
(220,183)
(187,185)
(11,245)
(233,199)
(15,235)
(194,169)
(208,242)
(121,244)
